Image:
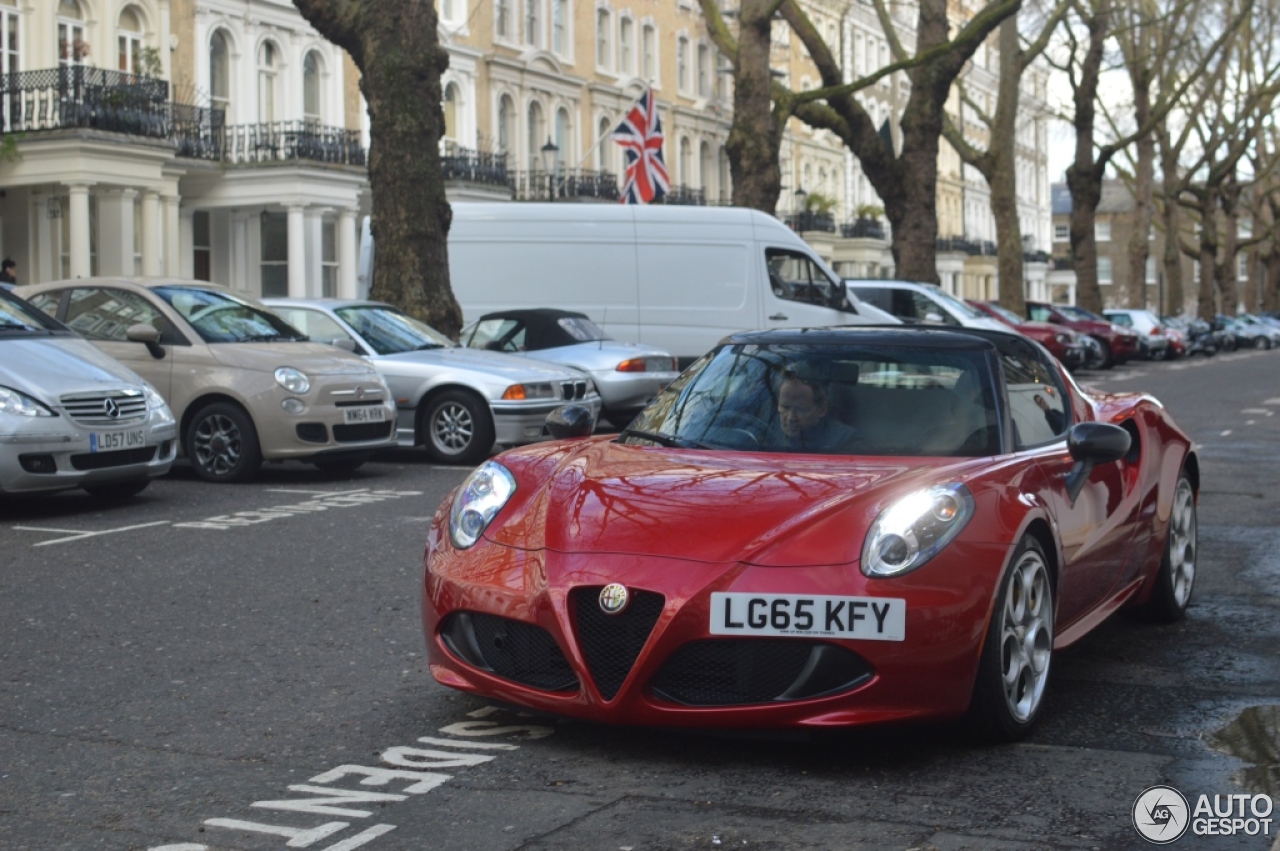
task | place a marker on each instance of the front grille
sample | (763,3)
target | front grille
(611,643)
(312,432)
(97,408)
(571,390)
(362,431)
(363,403)
(101,460)
(513,650)
(734,672)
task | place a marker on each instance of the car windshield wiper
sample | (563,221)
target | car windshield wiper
(271,338)
(666,439)
(429,346)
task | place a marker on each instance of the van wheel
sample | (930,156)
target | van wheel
(457,428)
(118,490)
(222,444)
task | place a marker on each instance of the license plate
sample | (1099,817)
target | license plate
(871,618)
(370,414)
(110,441)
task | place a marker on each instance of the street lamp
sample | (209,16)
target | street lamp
(549,152)
(800,196)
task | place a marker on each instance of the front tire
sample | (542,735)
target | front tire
(222,444)
(1177,575)
(1100,357)
(1014,669)
(118,490)
(457,428)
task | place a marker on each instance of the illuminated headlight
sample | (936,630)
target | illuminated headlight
(293,380)
(520,392)
(915,529)
(479,499)
(21,405)
(156,404)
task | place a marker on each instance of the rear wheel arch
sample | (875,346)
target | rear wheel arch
(1040,530)
(1192,467)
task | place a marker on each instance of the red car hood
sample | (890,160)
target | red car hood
(767,509)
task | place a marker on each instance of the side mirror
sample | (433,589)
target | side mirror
(570,421)
(1091,444)
(932,316)
(148,335)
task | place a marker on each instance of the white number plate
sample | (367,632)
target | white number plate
(366,414)
(110,441)
(873,618)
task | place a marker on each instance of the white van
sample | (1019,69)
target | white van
(913,301)
(674,277)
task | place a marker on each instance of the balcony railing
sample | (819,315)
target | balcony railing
(80,96)
(564,184)
(685,196)
(807,220)
(863,229)
(197,131)
(284,141)
(474,166)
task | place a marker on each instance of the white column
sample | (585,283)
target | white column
(240,277)
(115,232)
(347,257)
(186,242)
(297,233)
(172,238)
(40,245)
(79,229)
(314,227)
(152,243)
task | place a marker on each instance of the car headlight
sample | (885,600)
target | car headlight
(156,403)
(21,405)
(915,528)
(1064,339)
(479,499)
(293,380)
(539,390)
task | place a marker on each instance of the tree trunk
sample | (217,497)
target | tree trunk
(1143,200)
(1086,193)
(1084,176)
(754,137)
(1003,177)
(1207,307)
(1172,218)
(1226,269)
(395,47)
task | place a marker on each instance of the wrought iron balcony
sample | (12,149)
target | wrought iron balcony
(474,166)
(863,229)
(80,96)
(284,141)
(807,220)
(685,196)
(198,131)
(564,184)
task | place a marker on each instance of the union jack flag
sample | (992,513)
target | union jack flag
(640,135)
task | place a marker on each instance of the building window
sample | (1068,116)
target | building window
(201,246)
(704,71)
(1151,269)
(72,47)
(649,46)
(559,26)
(604,150)
(603,20)
(626,47)
(502,18)
(1102,230)
(682,63)
(1061,233)
(220,72)
(274,263)
(329,258)
(686,162)
(129,41)
(536,132)
(451,112)
(311,87)
(268,79)
(562,136)
(1104,270)
(9,63)
(1242,267)
(506,123)
(532,23)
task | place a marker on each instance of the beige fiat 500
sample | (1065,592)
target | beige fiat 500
(243,385)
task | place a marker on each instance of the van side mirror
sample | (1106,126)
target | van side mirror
(148,335)
(1091,444)
(569,421)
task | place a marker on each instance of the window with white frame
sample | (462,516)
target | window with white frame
(1061,233)
(604,150)
(1151,269)
(1102,230)
(1242,267)
(686,161)
(129,41)
(453,11)
(604,44)
(533,23)
(220,72)
(1104,269)
(268,81)
(682,63)
(328,257)
(72,47)
(451,112)
(560,27)
(311,87)
(627,47)
(10,61)
(502,28)
(201,246)
(649,53)
(704,70)
(506,125)
(273,263)
(723,72)
(537,129)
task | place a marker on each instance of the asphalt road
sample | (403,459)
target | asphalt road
(242,668)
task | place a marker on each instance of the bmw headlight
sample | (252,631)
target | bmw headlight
(915,528)
(479,499)
(156,403)
(21,405)
(293,380)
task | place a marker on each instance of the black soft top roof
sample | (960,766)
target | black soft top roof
(542,326)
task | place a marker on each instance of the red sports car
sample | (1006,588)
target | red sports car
(814,528)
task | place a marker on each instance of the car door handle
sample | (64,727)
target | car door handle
(778,317)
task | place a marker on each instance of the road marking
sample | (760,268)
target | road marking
(327,500)
(321,493)
(1224,433)
(1271,402)
(1262,411)
(77,534)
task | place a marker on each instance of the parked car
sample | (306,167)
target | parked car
(455,401)
(1118,344)
(1231,332)
(243,384)
(906,549)
(1153,339)
(1197,335)
(70,416)
(911,301)
(627,375)
(1264,331)
(1063,343)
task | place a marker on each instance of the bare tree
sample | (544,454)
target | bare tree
(395,46)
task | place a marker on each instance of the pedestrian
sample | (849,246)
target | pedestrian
(8,274)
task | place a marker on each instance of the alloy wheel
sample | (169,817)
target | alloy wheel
(1026,639)
(217,444)
(452,428)
(1182,543)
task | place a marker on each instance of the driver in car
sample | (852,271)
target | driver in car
(804,415)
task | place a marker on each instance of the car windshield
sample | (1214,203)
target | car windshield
(1074,312)
(220,317)
(1006,313)
(582,329)
(836,399)
(956,304)
(389,332)
(17,315)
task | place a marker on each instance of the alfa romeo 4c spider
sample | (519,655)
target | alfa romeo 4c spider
(814,528)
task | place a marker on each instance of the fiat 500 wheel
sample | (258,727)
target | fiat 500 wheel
(1014,669)
(458,428)
(222,444)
